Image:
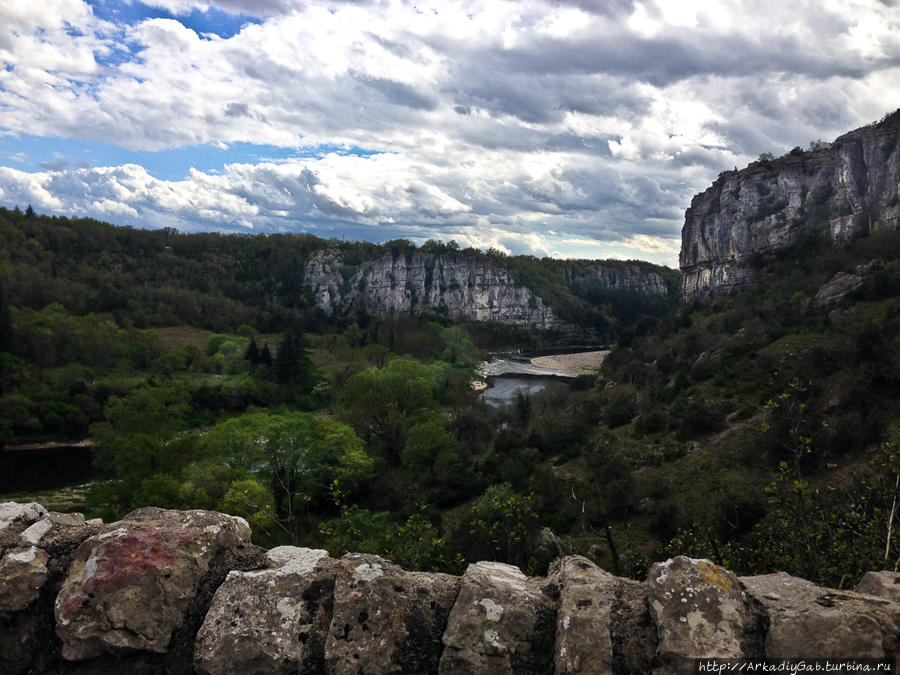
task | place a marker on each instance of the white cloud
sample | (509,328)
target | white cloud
(258,8)
(492,122)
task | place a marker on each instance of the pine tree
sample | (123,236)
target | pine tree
(265,355)
(286,356)
(252,353)
(292,365)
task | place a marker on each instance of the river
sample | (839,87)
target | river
(510,372)
(45,467)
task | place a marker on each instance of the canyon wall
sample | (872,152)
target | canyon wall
(841,190)
(186,592)
(460,287)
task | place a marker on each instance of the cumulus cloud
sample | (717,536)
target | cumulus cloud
(490,122)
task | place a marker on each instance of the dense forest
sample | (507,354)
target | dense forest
(758,430)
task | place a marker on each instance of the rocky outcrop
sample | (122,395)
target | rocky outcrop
(183,592)
(842,284)
(457,286)
(847,188)
(623,276)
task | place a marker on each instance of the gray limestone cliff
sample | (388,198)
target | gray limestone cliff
(623,276)
(457,286)
(167,591)
(845,189)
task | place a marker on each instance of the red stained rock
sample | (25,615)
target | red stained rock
(884,584)
(129,587)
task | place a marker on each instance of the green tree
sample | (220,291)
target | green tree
(381,402)
(459,346)
(828,535)
(787,423)
(137,439)
(425,441)
(250,499)
(504,524)
(131,439)
(265,355)
(416,544)
(354,529)
(293,366)
(252,353)
(300,456)
(6,323)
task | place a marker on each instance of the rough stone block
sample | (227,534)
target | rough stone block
(23,572)
(385,619)
(13,512)
(272,620)
(129,587)
(502,622)
(702,610)
(603,624)
(884,584)
(809,621)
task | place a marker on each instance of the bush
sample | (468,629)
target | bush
(697,417)
(664,521)
(620,409)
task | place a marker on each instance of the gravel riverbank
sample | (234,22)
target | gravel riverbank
(582,363)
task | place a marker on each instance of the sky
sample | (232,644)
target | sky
(560,128)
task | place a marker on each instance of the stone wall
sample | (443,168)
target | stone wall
(186,591)
(848,188)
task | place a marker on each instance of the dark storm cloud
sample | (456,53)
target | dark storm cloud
(234,109)
(395,93)
(57,164)
(546,97)
(661,61)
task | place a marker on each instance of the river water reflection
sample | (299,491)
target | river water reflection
(45,468)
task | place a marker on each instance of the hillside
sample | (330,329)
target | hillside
(218,282)
(332,407)
(761,427)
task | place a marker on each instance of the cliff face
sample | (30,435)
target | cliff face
(457,286)
(848,188)
(186,592)
(624,277)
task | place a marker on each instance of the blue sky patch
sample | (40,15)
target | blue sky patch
(213,20)
(38,153)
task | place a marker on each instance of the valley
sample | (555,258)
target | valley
(322,389)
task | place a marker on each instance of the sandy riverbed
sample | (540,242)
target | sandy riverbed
(583,363)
